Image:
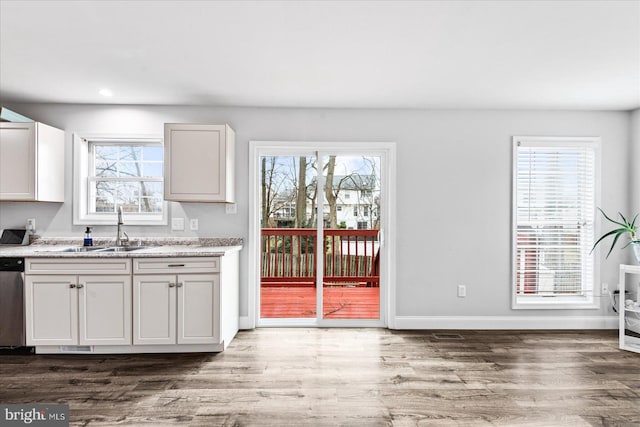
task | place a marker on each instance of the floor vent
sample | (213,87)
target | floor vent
(447,337)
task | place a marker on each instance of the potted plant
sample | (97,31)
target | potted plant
(625,227)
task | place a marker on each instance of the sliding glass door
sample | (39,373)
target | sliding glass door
(288,236)
(351,219)
(320,234)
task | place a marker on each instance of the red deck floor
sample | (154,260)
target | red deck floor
(339,303)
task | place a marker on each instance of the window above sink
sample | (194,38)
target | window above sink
(112,171)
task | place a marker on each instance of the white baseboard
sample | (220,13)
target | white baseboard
(491,322)
(245,323)
(505,322)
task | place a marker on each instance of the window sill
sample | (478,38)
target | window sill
(109,219)
(554,303)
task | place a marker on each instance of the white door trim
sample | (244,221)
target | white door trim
(388,225)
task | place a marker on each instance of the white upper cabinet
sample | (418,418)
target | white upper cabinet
(199,163)
(31,162)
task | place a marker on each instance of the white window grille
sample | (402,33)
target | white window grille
(113,172)
(554,203)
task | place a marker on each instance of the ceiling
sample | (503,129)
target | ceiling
(335,54)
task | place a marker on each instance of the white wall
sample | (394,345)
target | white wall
(634,161)
(453,189)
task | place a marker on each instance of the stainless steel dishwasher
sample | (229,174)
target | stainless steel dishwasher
(12,328)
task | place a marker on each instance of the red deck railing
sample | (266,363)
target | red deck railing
(350,257)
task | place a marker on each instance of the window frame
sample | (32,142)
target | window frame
(83,161)
(591,300)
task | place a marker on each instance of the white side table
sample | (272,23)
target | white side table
(628,342)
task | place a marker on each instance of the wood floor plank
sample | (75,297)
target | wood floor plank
(346,377)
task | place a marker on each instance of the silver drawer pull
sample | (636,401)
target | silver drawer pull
(179,284)
(72,286)
(80,286)
(172,285)
(175,265)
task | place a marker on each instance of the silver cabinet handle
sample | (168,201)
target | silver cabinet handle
(80,286)
(179,284)
(172,285)
(72,286)
(175,265)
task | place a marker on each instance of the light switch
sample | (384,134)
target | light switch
(177,224)
(193,224)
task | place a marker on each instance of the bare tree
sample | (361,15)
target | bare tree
(108,166)
(329,192)
(301,189)
(272,194)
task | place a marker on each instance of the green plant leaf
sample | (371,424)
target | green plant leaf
(613,245)
(618,232)
(626,223)
(609,219)
(626,227)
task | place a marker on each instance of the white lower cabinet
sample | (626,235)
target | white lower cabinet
(78,310)
(62,308)
(51,310)
(176,309)
(131,305)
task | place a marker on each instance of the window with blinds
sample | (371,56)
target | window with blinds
(554,186)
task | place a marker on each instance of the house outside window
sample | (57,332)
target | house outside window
(555,198)
(114,172)
(363,225)
(355,211)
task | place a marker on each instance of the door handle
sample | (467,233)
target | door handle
(72,285)
(179,284)
(80,286)
(172,285)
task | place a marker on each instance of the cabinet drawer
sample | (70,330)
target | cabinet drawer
(176,265)
(77,266)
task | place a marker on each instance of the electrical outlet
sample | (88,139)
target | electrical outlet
(462,291)
(605,288)
(31,225)
(193,224)
(177,224)
(231,208)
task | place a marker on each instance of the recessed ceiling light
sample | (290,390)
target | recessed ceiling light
(105,92)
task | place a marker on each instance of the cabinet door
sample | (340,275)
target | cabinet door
(198,312)
(154,309)
(51,310)
(17,161)
(198,162)
(104,310)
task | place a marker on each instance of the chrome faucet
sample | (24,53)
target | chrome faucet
(121,241)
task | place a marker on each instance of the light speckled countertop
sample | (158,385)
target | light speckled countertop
(153,247)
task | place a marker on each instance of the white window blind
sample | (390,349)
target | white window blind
(554,220)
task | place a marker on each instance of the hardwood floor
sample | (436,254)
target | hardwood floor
(359,377)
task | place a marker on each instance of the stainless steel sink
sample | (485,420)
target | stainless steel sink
(80,249)
(122,248)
